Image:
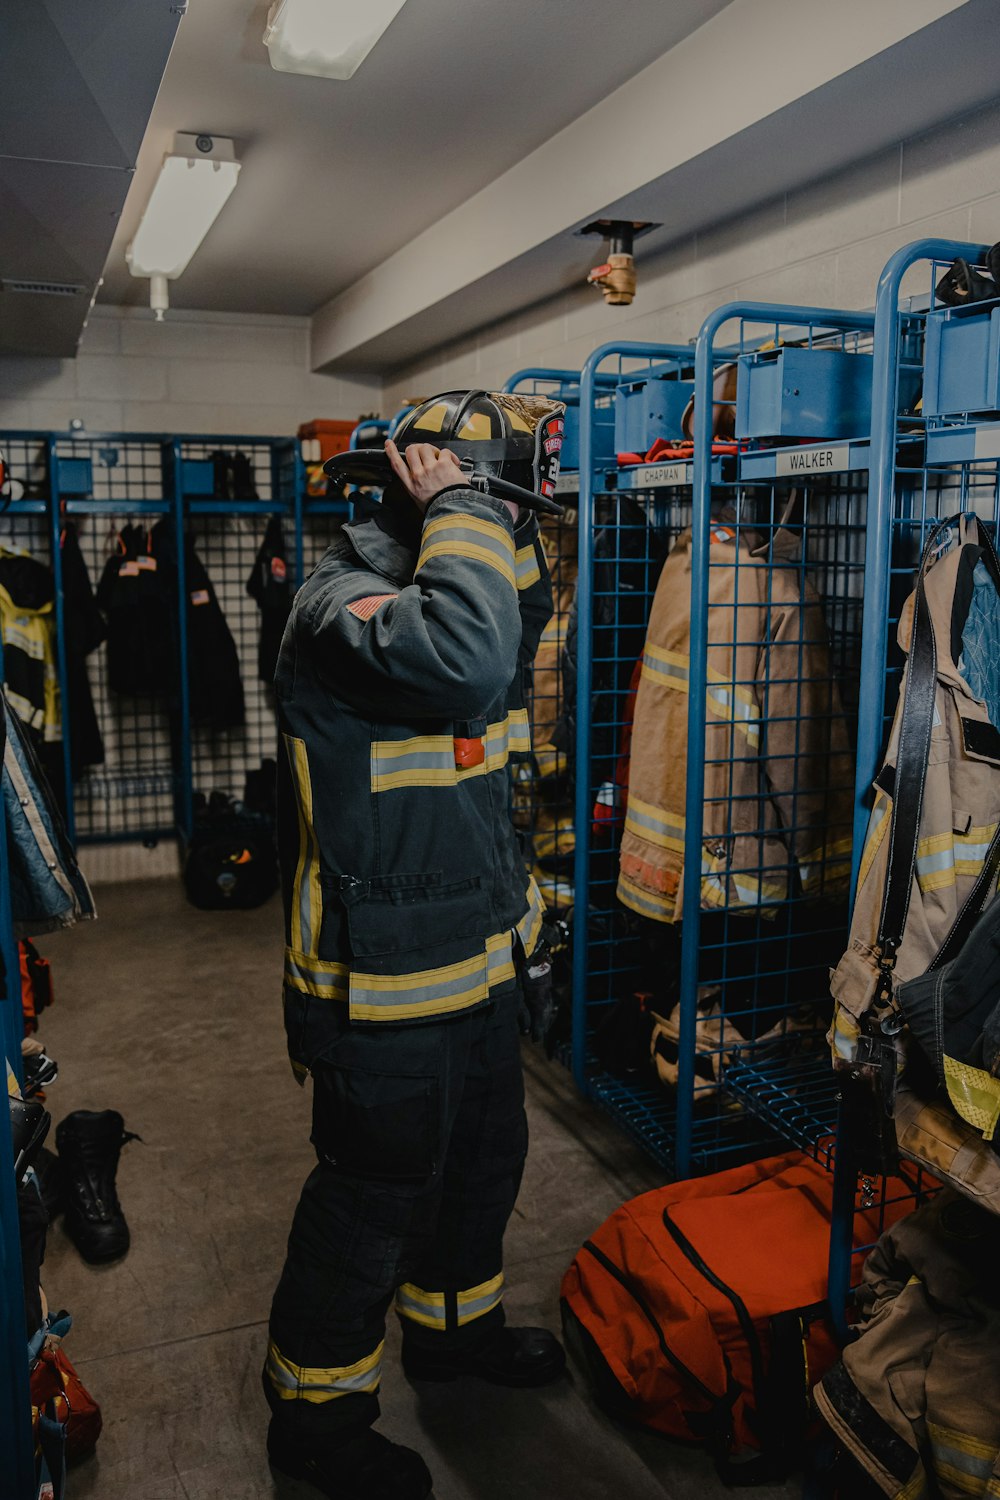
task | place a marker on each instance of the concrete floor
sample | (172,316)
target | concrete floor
(173,1016)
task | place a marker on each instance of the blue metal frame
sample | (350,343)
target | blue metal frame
(592,381)
(881,504)
(707,358)
(889,363)
(17,1453)
(289,498)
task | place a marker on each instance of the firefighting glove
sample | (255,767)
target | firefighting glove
(963,284)
(538,1003)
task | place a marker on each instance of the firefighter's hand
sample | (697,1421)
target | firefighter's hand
(538,1003)
(423,470)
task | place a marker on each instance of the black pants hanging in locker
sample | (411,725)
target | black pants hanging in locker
(421,1137)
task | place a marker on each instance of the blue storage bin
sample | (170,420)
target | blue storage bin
(569,456)
(962,361)
(804,393)
(649,407)
(603,430)
(75,476)
(197,476)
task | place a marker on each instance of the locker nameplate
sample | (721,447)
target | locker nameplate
(794,461)
(646,476)
(568,483)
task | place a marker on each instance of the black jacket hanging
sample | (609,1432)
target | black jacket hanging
(269,585)
(214,684)
(85,630)
(136,597)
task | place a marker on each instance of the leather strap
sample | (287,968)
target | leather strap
(911,770)
(916,723)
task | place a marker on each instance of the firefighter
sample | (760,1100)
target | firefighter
(413,932)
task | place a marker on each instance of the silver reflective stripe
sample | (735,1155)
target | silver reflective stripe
(467,983)
(410,1301)
(469,1311)
(641,818)
(316,1384)
(672,671)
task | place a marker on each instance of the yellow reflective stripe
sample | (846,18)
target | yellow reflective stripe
(491,529)
(646,903)
(13,1087)
(831,862)
(844,1033)
(499,959)
(429,760)
(648,822)
(26,711)
(313,976)
(480,1300)
(878,827)
(974,1093)
(417,744)
(668,668)
(307,900)
(942,857)
(519,731)
(526,567)
(468,550)
(728,700)
(430,1309)
(29,637)
(471,537)
(963,1441)
(426,1308)
(433,992)
(554,633)
(530,926)
(423,760)
(295,1382)
(956,1474)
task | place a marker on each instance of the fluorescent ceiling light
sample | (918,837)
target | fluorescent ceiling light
(195,182)
(325,38)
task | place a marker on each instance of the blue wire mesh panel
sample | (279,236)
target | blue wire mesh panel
(231,488)
(626,962)
(777,591)
(542,786)
(227,546)
(922,470)
(131,792)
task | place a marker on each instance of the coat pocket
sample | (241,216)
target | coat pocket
(402,914)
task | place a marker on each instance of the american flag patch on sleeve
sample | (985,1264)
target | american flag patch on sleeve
(365,608)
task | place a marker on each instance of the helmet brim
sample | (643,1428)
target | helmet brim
(371,466)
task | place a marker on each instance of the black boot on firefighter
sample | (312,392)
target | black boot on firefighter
(90,1144)
(519,1357)
(366,1467)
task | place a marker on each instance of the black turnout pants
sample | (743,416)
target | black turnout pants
(420,1135)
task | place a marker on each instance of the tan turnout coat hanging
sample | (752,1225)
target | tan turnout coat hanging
(779,777)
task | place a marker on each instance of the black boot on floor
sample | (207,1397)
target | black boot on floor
(90,1143)
(368,1467)
(515,1357)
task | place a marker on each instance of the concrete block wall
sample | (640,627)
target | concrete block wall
(824,244)
(195,372)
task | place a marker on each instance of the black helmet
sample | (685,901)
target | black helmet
(508,444)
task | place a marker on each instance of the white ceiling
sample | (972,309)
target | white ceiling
(338,176)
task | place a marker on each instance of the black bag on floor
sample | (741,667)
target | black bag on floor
(231,861)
